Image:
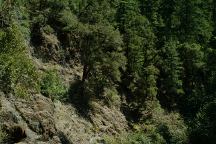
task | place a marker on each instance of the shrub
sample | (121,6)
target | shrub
(138,138)
(135,138)
(17,71)
(169,125)
(3,136)
(52,85)
(48,29)
(111,97)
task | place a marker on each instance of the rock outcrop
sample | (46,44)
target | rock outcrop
(39,120)
(31,120)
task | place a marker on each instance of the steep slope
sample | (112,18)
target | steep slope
(42,120)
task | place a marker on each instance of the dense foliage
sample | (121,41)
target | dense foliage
(154,59)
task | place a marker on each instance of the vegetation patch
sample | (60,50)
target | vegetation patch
(52,85)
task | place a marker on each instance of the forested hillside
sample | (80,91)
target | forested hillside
(150,62)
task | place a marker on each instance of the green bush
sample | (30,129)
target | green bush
(138,138)
(3,136)
(48,29)
(111,97)
(170,126)
(135,138)
(52,85)
(17,71)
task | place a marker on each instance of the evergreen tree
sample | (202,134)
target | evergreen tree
(170,83)
(101,56)
(193,63)
(141,74)
(196,21)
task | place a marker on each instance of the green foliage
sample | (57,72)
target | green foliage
(158,127)
(173,129)
(138,138)
(135,138)
(192,57)
(139,45)
(52,85)
(197,25)
(147,53)
(204,127)
(48,29)
(89,12)
(68,19)
(151,10)
(112,97)
(101,56)
(170,126)
(17,72)
(170,83)
(3,136)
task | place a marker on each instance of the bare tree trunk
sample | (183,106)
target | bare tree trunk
(86,71)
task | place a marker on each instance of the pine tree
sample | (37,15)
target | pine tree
(141,75)
(170,83)
(192,56)
(196,21)
(101,56)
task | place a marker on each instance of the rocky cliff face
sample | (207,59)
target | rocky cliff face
(39,120)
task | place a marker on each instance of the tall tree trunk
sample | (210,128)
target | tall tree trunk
(86,70)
